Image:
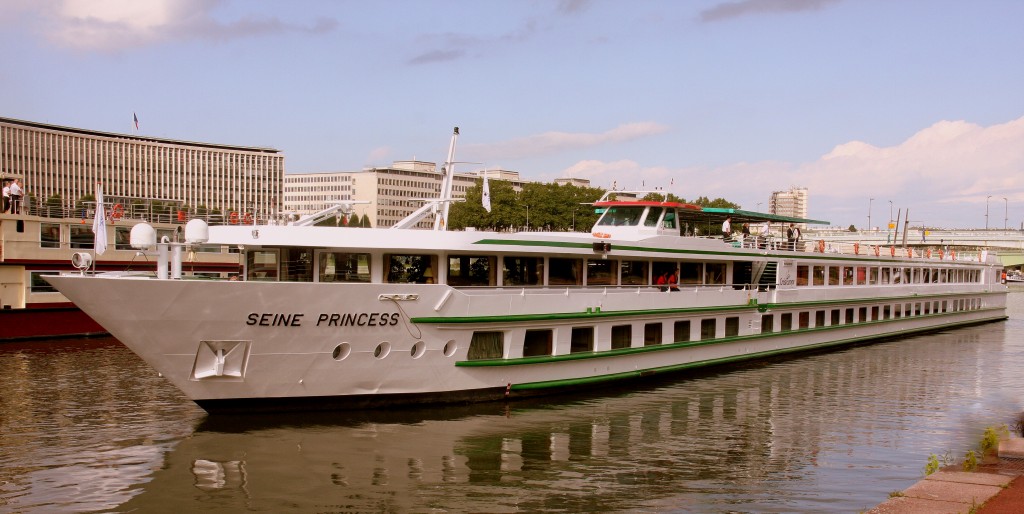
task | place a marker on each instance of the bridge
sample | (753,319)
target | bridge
(1007,244)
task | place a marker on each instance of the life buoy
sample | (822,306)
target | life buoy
(856,248)
(928,253)
(892,251)
(248,219)
(117,212)
(942,254)
(821,246)
(910,252)
(952,254)
(233,218)
(878,250)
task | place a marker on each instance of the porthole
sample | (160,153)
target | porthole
(382,350)
(342,351)
(418,349)
(449,348)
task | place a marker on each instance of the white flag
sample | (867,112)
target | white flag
(487,194)
(99,223)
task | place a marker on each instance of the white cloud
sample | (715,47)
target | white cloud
(550,143)
(105,25)
(944,174)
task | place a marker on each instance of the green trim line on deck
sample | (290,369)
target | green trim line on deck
(686,310)
(739,253)
(752,337)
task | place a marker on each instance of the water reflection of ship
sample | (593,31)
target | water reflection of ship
(703,440)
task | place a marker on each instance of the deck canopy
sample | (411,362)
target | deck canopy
(716,215)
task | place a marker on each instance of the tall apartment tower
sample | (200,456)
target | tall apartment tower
(791,203)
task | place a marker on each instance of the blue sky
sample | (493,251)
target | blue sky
(917,102)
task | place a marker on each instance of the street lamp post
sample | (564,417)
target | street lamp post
(1006,212)
(986,211)
(869,212)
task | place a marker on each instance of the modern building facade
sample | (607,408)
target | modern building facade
(65,163)
(392,192)
(791,203)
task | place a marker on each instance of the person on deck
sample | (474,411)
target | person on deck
(726,227)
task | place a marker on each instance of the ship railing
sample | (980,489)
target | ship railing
(919,251)
(567,290)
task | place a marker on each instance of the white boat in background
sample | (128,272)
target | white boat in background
(41,241)
(1014,276)
(357,318)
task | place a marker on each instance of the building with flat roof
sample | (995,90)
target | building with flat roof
(392,192)
(66,162)
(792,203)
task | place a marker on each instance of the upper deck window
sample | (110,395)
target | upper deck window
(344,267)
(621,215)
(410,269)
(471,270)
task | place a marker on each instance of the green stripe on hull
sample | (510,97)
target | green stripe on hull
(687,310)
(557,384)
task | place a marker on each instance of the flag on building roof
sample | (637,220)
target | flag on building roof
(136,118)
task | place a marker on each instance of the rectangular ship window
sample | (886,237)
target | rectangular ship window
(537,343)
(486,345)
(652,334)
(582,340)
(622,336)
(681,331)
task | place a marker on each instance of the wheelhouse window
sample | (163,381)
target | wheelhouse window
(634,273)
(523,271)
(601,272)
(344,267)
(410,268)
(49,235)
(652,216)
(471,270)
(621,215)
(565,272)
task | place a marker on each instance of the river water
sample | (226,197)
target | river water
(86,426)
